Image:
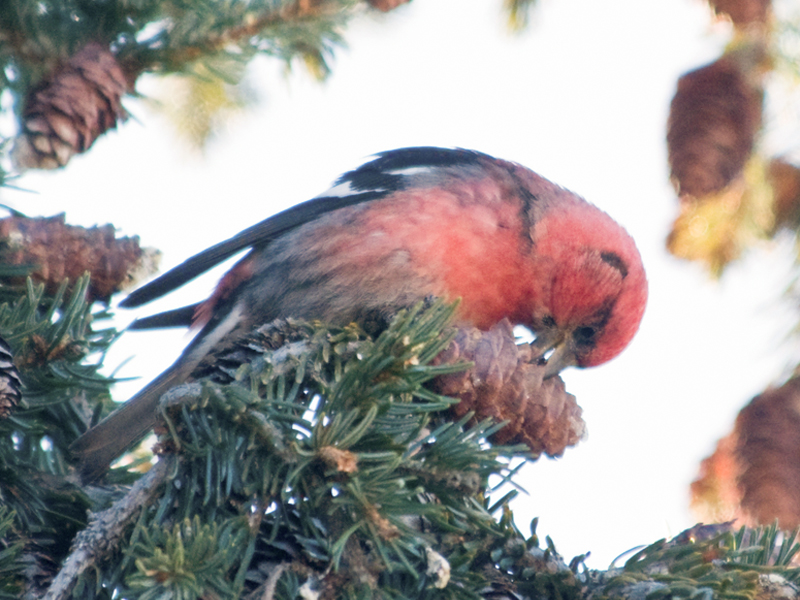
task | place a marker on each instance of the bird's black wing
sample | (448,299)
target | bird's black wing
(388,173)
(177,317)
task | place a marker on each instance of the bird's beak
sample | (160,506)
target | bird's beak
(561,358)
(562,355)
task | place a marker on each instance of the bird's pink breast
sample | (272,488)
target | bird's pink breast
(466,242)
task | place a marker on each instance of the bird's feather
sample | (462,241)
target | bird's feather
(390,172)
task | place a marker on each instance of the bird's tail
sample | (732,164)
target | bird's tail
(122,429)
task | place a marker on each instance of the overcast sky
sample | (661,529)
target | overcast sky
(582,98)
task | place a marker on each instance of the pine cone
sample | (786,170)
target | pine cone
(768,453)
(70,109)
(742,12)
(756,469)
(713,121)
(58,251)
(505,385)
(10,382)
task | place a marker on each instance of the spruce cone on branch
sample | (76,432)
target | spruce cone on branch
(714,117)
(57,251)
(70,109)
(768,453)
(743,12)
(506,386)
(10,382)
(754,474)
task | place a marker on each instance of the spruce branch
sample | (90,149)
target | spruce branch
(94,543)
(711,562)
(312,461)
(11,567)
(69,67)
(57,353)
(327,442)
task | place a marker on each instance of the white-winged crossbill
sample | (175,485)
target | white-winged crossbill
(411,224)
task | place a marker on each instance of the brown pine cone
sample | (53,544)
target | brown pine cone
(58,251)
(754,475)
(768,453)
(714,117)
(743,12)
(70,109)
(10,382)
(505,385)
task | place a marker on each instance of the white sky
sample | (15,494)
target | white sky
(582,98)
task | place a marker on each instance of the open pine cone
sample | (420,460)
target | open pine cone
(57,251)
(10,382)
(70,109)
(507,385)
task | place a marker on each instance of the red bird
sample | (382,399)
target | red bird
(412,223)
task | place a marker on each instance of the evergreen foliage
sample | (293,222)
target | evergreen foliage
(57,98)
(319,467)
(734,565)
(208,42)
(327,454)
(58,353)
(10,551)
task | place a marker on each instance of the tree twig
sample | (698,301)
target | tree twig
(105,529)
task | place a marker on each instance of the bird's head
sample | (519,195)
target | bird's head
(592,296)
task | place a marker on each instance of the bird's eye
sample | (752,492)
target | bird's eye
(584,335)
(548,322)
